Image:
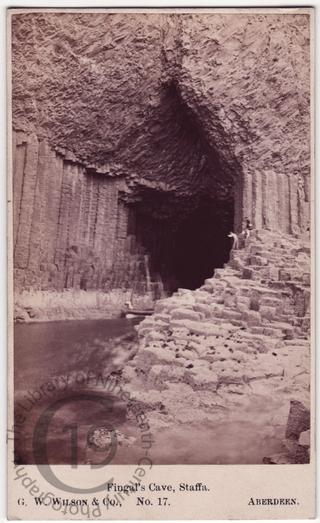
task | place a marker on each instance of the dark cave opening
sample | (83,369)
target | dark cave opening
(201,245)
(184,208)
(186,244)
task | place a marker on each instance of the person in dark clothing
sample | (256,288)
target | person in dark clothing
(249,225)
(247,229)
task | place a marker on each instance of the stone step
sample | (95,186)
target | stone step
(236,265)
(258,291)
(273,246)
(231,281)
(231,314)
(282,326)
(224,273)
(268,312)
(271,302)
(272,331)
(298,343)
(256,260)
(260,273)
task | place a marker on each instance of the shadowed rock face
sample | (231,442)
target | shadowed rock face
(126,118)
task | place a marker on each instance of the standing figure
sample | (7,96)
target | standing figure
(248,227)
(128,305)
(235,241)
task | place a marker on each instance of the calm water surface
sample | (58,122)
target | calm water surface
(46,350)
(43,350)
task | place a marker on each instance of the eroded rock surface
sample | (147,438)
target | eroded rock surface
(242,75)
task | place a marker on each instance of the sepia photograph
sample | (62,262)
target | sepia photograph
(161,241)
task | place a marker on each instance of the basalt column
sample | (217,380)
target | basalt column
(70,229)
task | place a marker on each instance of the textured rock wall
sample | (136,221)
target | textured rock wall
(247,77)
(182,104)
(70,229)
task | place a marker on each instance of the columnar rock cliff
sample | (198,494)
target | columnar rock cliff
(69,225)
(141,140)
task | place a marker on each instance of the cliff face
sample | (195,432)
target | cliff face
(141,139)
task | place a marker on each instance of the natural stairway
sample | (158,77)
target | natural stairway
(237,348)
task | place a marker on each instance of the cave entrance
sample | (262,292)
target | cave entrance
(201,244)
(186,244)
(186,199)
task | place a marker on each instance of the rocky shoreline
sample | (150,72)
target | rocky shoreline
(235,350)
